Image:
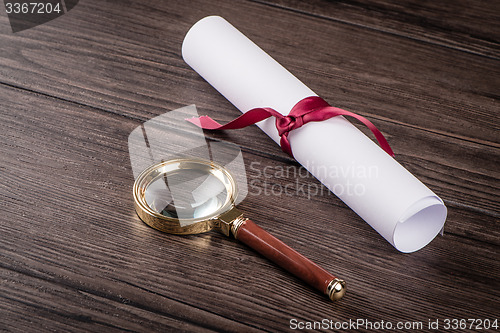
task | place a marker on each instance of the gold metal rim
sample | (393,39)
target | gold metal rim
(172,225)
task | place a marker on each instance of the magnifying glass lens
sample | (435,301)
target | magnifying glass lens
(187,194)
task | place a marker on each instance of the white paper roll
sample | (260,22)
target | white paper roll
(373,184)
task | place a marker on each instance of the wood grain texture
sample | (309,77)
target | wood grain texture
(393,81)
(470,26)
(75,257)
(85,236)
(133,72)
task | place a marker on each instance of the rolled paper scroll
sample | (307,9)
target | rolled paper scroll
(372,183)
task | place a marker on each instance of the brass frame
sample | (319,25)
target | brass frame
(222,218)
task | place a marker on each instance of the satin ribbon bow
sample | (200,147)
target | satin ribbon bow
(312,108)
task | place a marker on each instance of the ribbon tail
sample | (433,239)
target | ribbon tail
(204,122)
(285,145)
(379,136)
(331,111)
(248,118)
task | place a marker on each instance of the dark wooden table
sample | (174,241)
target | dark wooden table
(75,257)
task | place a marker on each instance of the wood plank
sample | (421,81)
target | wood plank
(139,72)
(463,25)
(68,231)
(28,301)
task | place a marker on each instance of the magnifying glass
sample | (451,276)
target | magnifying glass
(190,196)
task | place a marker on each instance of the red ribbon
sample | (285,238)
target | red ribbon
(312,108)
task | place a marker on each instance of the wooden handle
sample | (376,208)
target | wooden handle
(286,257)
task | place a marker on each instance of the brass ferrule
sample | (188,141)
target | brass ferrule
(336,289)
(236,225)
(229,222)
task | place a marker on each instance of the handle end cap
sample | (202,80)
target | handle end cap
(336,289)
